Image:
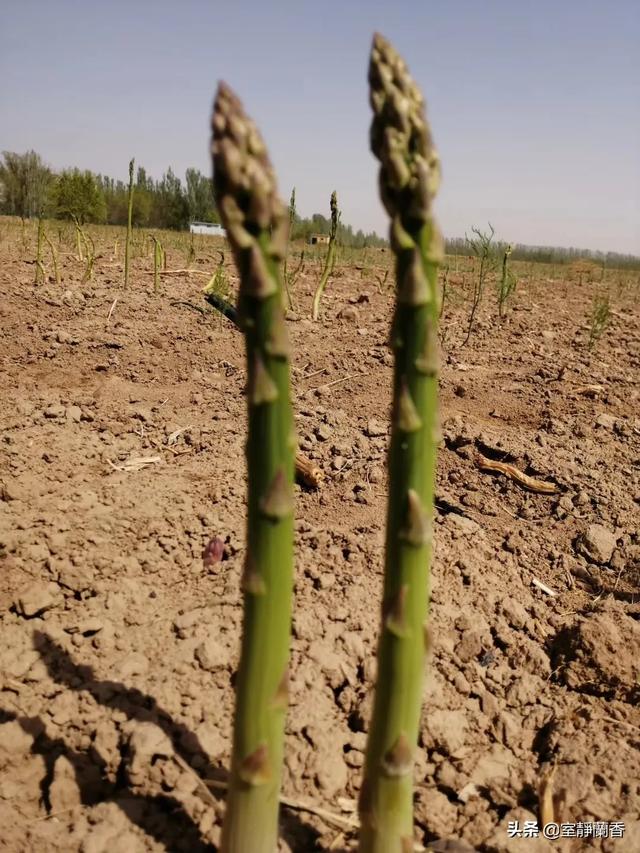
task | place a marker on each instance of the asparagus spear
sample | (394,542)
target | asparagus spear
(256,224)
(408,178)
(127,242)
(330,260)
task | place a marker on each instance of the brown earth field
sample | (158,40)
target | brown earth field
(122,457)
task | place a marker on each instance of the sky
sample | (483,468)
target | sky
(534,106)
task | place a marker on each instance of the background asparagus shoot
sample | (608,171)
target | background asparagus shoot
(256,224)
(159,261)
(444,289)
(86,250)
(507,283)
(331,255)
(127,244)
(409,179)
(481,247)
(54,256)
(599,318)
(90,248)
(292,219)
(40,271)
(79,236)
(292,275)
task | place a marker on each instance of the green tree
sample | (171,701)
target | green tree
(171,207)
(142,207)
(25,183)
(200,197)
(142,198)
(79,194)
(142,181)
(115,197)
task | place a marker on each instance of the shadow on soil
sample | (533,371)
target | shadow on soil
(162,817)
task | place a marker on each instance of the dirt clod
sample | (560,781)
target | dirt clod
(596,544)
(36,598)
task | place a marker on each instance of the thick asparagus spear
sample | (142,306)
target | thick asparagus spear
(409,177)
(256,224)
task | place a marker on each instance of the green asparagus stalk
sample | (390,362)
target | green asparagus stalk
(330,260)
(507,282)
(409,177)
(84,239)
(90,249)
(292,219)
(54,256)
(158,258)
(79,232)
(127,244)
(40,272)
(256,224)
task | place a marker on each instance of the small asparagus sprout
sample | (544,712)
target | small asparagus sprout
(127,243)
(292,219)
(219,282)
(292,276)
(507,282)
(599,318)
(444,291)
(90,248)
(40,271)
(331,256)
(382,280)
(216,291)
(408,180)
(86,250)
(158,261)
(78,239)
(54,257)
(191,251)
(481,247)
(256,224)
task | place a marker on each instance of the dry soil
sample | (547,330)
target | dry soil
(121,458)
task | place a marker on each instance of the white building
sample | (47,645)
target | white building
(207,228)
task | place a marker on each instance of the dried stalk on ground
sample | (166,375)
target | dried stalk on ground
(510,471)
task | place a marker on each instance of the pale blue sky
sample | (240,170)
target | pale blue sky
(535,106)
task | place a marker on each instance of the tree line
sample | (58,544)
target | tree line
(550,254)
(318,224)
(29,189)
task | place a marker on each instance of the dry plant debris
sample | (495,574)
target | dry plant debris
(539,486)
